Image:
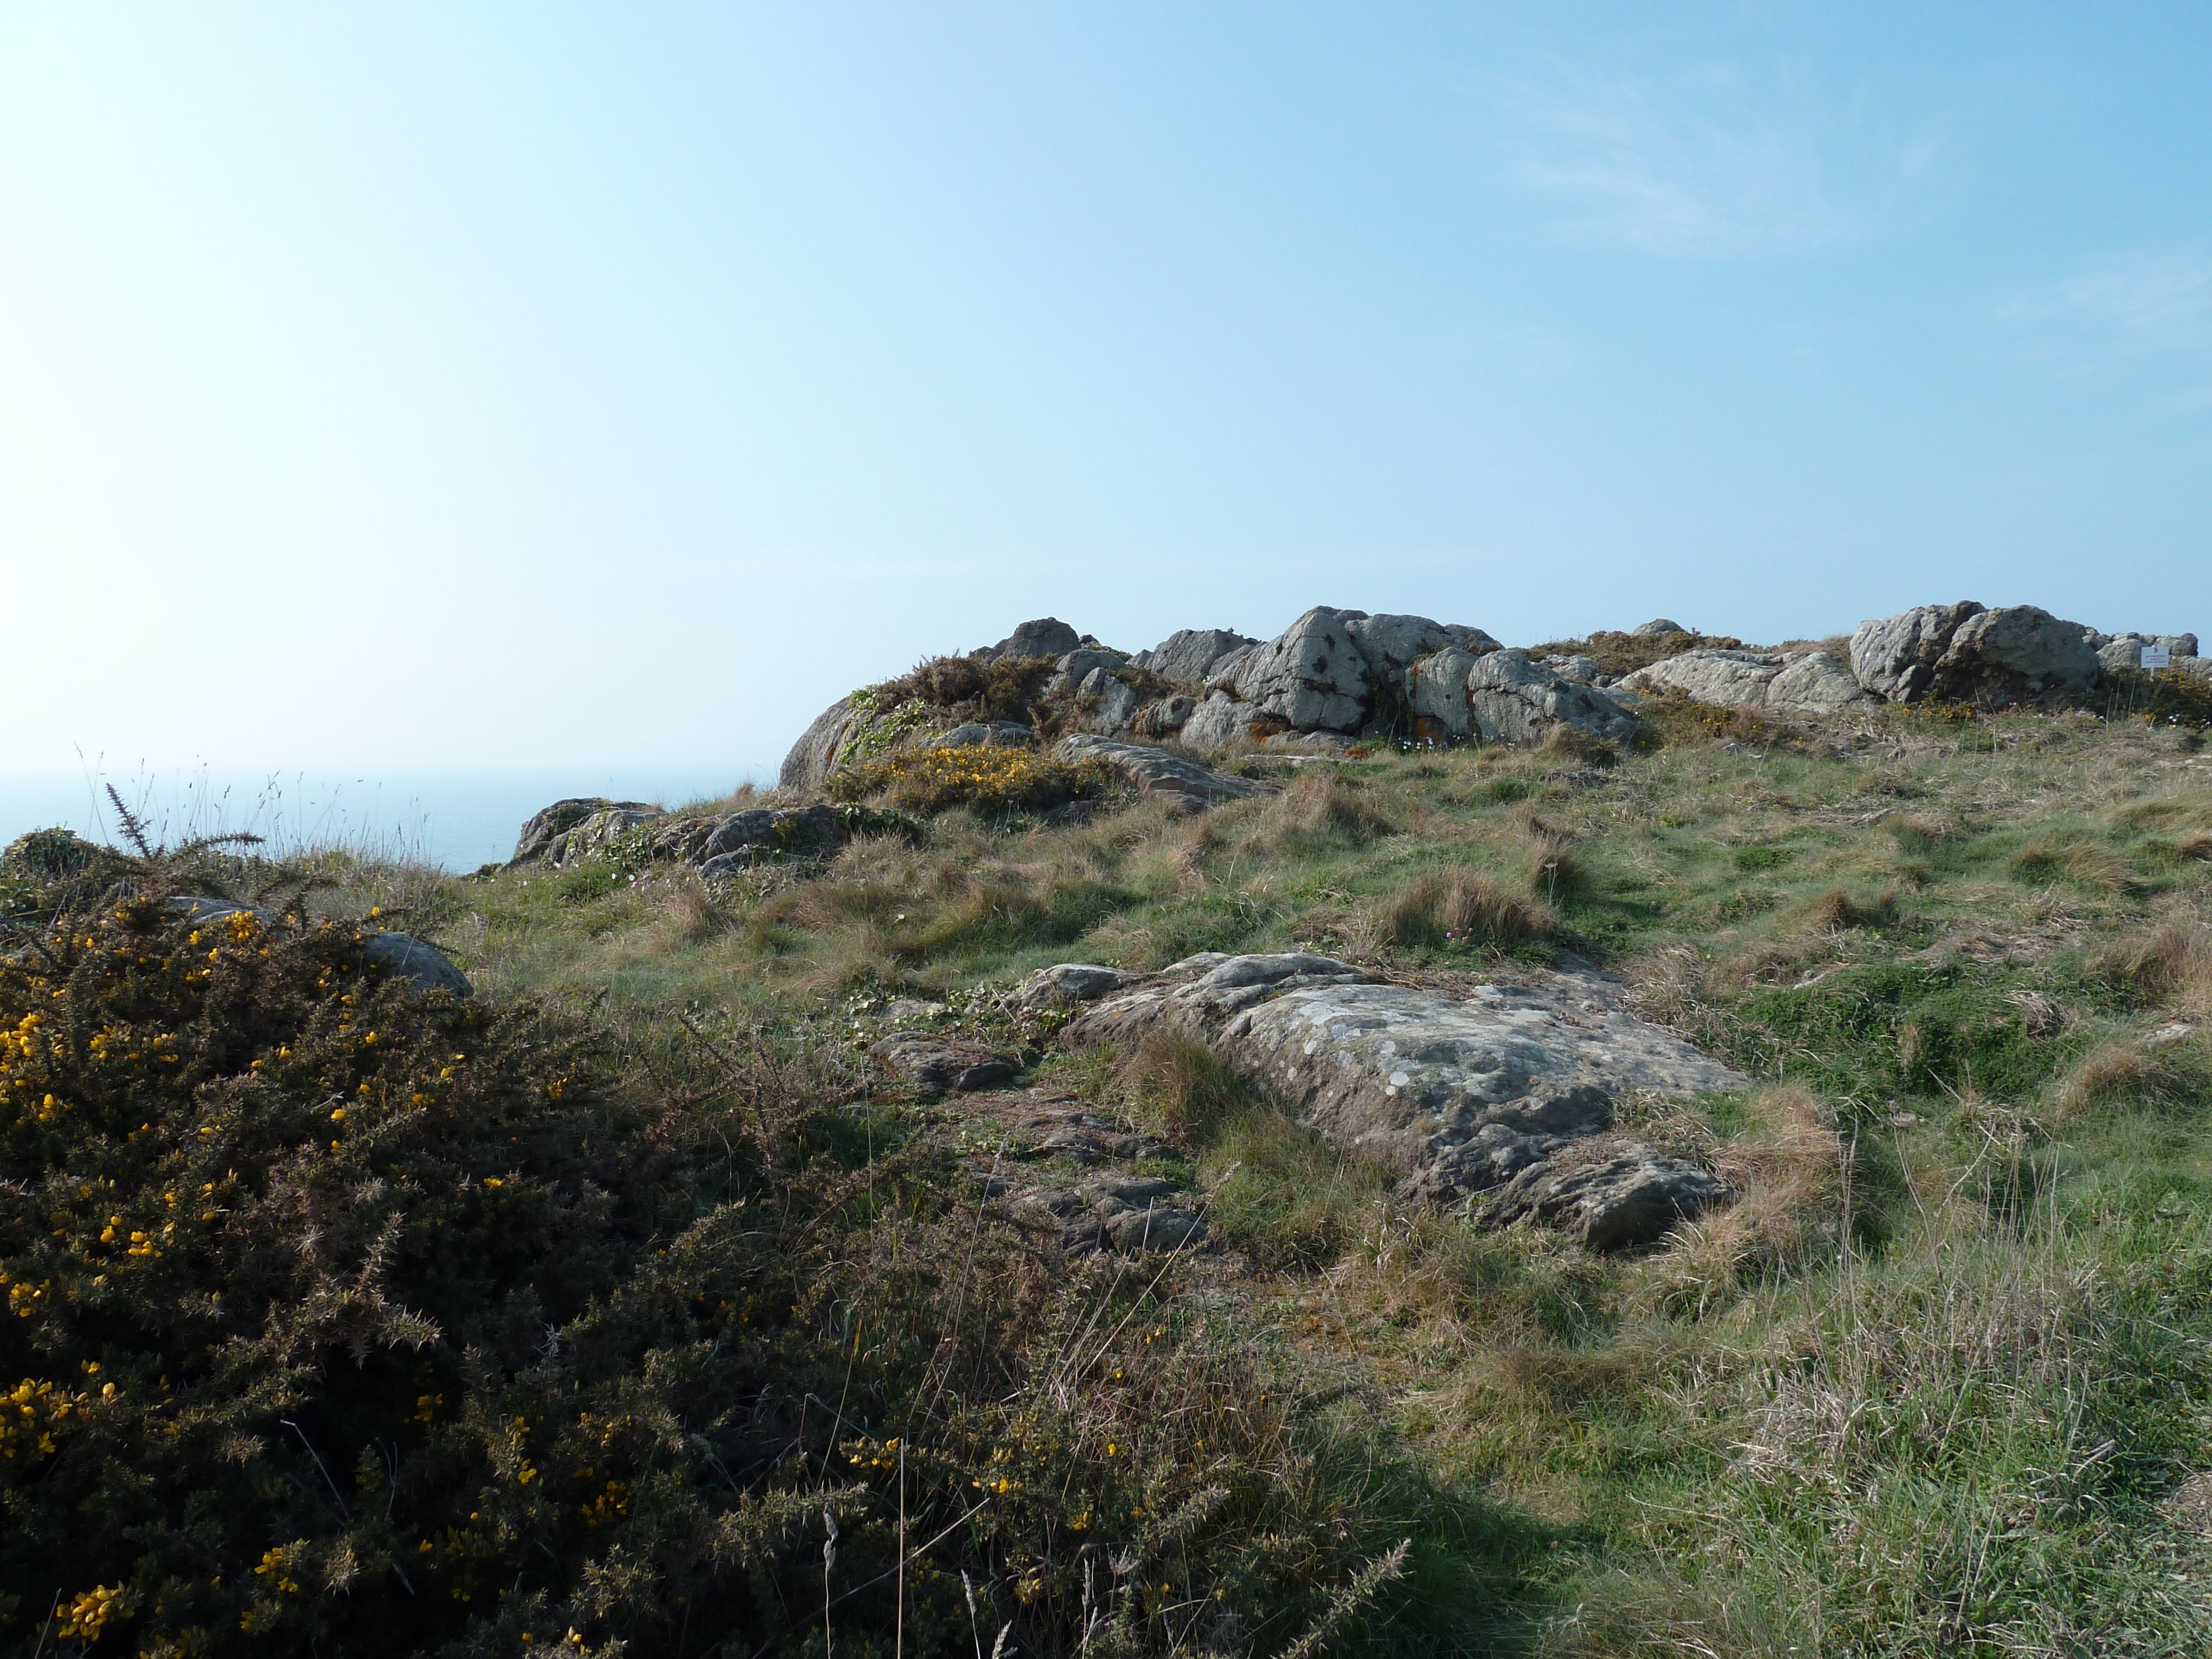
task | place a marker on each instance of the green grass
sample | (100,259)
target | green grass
(1930,1385)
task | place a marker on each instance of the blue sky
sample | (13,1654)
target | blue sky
(452,386)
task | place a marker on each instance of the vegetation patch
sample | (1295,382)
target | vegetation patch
(992,780)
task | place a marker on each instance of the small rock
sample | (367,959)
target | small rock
(1067,983)
(1628,1200)
(400,955)
(942,1065)
(1185,784)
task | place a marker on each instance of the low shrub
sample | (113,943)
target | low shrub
(998,781)
(344,1318)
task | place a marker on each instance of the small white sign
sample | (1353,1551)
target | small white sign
(2157,656)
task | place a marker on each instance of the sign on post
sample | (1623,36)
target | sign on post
(2155,657)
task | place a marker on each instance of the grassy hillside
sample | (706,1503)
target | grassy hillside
(1938,1382)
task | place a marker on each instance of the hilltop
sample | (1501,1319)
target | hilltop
(1636,1145)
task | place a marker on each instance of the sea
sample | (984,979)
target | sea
(458,820)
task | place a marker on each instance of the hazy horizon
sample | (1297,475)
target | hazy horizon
(428,388)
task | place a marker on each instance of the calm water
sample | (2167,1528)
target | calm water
(456,819)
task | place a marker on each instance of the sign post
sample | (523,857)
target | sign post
(2155,657)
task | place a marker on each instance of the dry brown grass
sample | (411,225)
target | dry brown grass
(2059,857)
(1180,1085)
(1322,804)
(1457,907)
(2116,1074)
(1836,910)
(2198,846)
(1921,826)
(1788,1171)
(2170,965)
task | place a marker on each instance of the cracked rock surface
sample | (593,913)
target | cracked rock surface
(1461,1093)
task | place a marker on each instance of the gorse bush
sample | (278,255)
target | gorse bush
(343,1318)
(993,780)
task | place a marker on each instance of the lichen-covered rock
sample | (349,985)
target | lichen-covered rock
(1732,678)
(722,846)
(1966,652)
(1807,682)
(1311,676)
(1223,720)
(1391,645)
(1069,984)
(1046,636)
(987,734)
(1190,654)
(548,823)
(2125,650)
(599,833)
(1814,683)
(1632,1195)
(1164,718)
(1107,703)
(941,1065)
(1184,783)
(1513,699)
(812,758)
(1461,1094)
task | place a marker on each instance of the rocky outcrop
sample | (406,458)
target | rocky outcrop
(1310,676)
(1461,1094)
(1966,652)
(1657,625)
(722,845)
(1804,682)
(542,835)
(1155,772)
(987,734)
(1046,636)
(716,845)
(2125,651)
(1513,699)
(1104,702)
(1190,654)
(814,756)
(400,956)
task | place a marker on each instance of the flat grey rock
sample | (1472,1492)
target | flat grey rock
(1629,1197)
(1189,785)
(1460,1094)
(942,1065)
(1066,984)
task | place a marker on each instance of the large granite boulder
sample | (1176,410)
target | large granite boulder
(724,844)
(400,956)
(1803,682)
(1046,636)
(548,825)
(1461,1094)
(1224,720)
(1513,700)
(1311,677)
(1152,772)
(1107,703)
(2125,650)
(1655,626)
(1190,654)
(1966,652)
(1392,645)
(814,756)
(1072,669)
